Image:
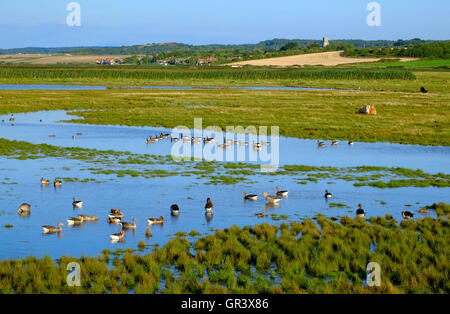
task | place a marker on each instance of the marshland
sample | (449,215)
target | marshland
(94,141)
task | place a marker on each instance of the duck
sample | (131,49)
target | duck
(78,204)
(52,229)
(114,220)
(209,205)
(117,236)
(281,193)
(271,198)
(45,181)
(360,212)
(75,221)
(87,217)
(57,183)
(252,197)
(328,194)
(174,210)
(407,215)
(152,221)
(116,213)
(24,208)
(350,143)
(128,225)
(334,143)
(321,144)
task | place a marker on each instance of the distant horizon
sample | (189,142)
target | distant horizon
(225,44)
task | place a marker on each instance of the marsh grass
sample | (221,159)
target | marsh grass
(321,256)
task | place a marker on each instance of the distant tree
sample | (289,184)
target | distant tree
(289,46)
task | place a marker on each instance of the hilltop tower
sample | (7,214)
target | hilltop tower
(325,42)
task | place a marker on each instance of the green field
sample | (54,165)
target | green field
(314,256)
(403,117)
(413,64)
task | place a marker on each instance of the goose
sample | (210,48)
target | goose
(152,221)
(78,204)
(45,181)
(24,208)
(265,143)
(74,221)
(334,143)
(52,135)
(174,210)
(186,140)
(320,144)
(128,225)
(360,212)
(209,140)
(243,143)
(209,205)
(281,193)
(57,183)
(52,229)
(117,215)
(235,143)
(174,139)
(350,143)
(117,236)
(87,217)
(40,120)
(252,197)
(271,198)
(407,215)
(260,215)
(229,141)
(11,119)
(423,90)
(185,137)
(328,194)
(423,210)
(114,220)
(79,133)
(196,141)
(223,146)
(197,138)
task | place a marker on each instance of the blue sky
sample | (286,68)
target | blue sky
(42,23)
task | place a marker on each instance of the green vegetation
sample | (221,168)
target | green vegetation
(439,50)
(304,257)
(189,74)
(303,114)
(149,166)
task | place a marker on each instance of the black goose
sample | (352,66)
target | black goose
(174,210)
(407,215)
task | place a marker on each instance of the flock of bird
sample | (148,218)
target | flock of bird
(116,216)
(332,143)
(227,143)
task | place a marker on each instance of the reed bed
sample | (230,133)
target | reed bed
(201,74)
(311,256)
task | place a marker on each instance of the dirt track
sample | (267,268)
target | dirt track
(53,59)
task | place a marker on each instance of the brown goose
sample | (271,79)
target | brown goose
(117,236)
(45,181)
(57,183)
(129,225)
(24,208)
(52,229)
(88,218)
(271,198)
(281,193)
(152,221)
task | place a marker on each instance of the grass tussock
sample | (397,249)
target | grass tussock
(321,256)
